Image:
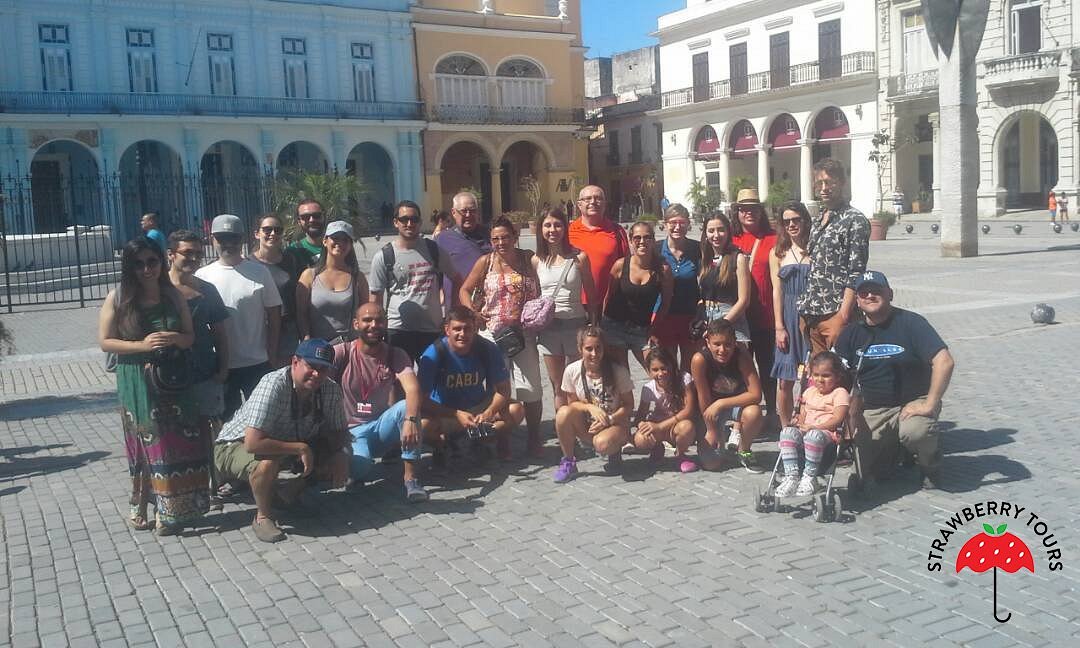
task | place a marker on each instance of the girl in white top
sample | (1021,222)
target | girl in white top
(558,341)
(666,410)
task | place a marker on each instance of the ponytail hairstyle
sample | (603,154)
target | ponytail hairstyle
(674,386)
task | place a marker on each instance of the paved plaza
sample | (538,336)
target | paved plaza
(510,558)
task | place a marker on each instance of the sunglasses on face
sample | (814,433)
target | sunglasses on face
(642,238)
(312,216)
(272,229)
(148,263)
(867,291)
(408,220)
(789,222)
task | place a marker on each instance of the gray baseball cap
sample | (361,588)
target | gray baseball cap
(227,224)
(339,227)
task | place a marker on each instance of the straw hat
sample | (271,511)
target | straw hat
(748,196)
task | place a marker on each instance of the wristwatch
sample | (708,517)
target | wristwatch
(413,419)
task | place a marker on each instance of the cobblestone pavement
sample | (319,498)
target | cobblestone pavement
(645,559)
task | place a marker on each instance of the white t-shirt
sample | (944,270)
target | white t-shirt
(607,400)
(414,303)
(247,290)
(659,406)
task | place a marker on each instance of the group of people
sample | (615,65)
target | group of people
(298,361)
(1058,204)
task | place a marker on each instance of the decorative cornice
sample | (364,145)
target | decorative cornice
(828,9)
(782,21)
(698,44)
(742,32)
(488,31)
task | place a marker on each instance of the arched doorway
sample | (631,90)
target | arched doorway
(1028,155)
(707,154)
(523,160)
(742,169)
(65,187)
(831,132)
(151,179)
(302,156)
(784,154)
(372,166)
(466,166)
(230,181)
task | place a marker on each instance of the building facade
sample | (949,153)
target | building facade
(755,92)
(1028,70)
(622,97)
(179,102)
(503,84)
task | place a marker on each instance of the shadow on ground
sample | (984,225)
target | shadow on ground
(17,466)
(56,405)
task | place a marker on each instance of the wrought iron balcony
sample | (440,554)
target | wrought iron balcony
(1022,69)
(125,103)
(906,87)
(803,74)
(462,114)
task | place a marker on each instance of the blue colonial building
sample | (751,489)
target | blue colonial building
(112,107)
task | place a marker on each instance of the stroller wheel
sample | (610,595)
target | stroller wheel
(759,501)
(820,512)
(837,507)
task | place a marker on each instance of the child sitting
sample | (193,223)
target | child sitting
(823,407)
(666,410)
(728,389)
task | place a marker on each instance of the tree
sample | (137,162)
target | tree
(7,341)
(739,183)
(339,195)
(704,199)
(881,155)
(779,193)
(534,193)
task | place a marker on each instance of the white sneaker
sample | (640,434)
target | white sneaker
(787,486)
(733,441)
(807,486)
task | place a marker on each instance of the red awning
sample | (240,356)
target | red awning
(831,124)
(784,133)
(707,142)
(743,139)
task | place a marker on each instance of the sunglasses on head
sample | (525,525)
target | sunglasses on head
(272,229)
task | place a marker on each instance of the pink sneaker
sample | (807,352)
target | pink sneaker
(686,465)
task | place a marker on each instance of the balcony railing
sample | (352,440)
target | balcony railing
(124,103)
(913,85)
(461,114)
(848,65)
(1022,69)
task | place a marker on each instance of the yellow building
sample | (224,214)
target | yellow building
(503,81)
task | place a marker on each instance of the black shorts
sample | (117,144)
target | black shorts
(413,343)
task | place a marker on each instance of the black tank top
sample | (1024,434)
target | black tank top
(724,380)
(630,302)
(711,290)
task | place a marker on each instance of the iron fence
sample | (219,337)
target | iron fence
(60,237)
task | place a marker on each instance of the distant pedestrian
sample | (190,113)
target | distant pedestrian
(149,224)
(248,291)
(1052,206)
(146,320)
(1063,207)
(440,220)
(328,294)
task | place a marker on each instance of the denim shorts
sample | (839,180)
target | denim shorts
(624,334)
(716,310)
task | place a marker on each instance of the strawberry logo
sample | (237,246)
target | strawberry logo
(995,550)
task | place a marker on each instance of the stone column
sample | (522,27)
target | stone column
(496,192)
(337,146)
(763,171)
(723,170)
(936,152)
(191,164)
(806,171)
(266,146)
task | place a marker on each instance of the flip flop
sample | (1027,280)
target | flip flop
(139,523)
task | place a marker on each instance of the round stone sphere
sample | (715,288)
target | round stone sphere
(985,229)
(1042,314)
(909,228)
(1018,228)
(934,227)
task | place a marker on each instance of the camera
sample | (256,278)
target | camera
(479,432)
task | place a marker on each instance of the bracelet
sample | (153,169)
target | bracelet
(413,419)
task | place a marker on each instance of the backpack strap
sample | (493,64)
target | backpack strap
(388,264)
(433,250)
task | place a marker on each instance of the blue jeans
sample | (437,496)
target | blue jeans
(374,438)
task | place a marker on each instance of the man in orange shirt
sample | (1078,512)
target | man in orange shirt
(602,240)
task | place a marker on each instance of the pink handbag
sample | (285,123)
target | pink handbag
(537,313)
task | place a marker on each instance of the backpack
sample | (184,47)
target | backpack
(388,256)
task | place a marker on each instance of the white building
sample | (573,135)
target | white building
(184,107)
(759,91)
(1027,82)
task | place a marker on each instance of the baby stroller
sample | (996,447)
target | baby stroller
(826,504)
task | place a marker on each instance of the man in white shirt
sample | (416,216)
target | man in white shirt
(247,288)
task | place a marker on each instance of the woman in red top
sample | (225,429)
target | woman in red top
(754,236)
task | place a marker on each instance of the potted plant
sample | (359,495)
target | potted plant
(880,224)
(926,201)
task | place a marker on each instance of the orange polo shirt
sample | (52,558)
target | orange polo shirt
(603,245)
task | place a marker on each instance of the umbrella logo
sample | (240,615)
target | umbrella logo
(995,549)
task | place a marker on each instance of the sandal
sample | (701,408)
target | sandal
(162,529)
(138,522)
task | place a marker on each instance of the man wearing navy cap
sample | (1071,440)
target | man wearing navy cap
(294,413)
(905,371)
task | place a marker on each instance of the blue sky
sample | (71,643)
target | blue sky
(612,26)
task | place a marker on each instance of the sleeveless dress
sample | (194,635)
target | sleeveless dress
(793,278)
(168,451)
(331,310)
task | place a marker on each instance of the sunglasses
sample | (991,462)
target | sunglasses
(408,220)
(642,239)
(312,215)
(867,291)
(272,229)
(147,264)
(788,222)
(340,239)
